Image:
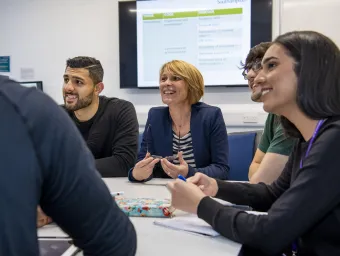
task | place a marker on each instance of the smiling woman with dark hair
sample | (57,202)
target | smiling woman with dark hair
(300,73)
(318,89)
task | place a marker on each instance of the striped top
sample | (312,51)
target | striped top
(183,144)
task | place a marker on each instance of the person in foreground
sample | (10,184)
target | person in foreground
(108,125)
(186,137)
(300,73)
(46,162)
(274,148)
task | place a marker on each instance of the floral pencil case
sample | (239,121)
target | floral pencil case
(145,207)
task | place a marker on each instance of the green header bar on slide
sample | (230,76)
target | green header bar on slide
(190,14)
(217,12)
(154,16)
(174,15)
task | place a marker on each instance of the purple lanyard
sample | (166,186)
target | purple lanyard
(318,126)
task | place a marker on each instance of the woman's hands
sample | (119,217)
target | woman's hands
(174,170)
(143,169)
(205,183)
(186,196)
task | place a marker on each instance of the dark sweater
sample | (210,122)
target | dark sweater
(302,203)
(112,136)
(43,160)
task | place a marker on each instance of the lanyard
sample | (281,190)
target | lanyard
(318,126)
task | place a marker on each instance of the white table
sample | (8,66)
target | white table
(164,241)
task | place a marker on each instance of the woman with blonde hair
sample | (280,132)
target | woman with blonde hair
(185,137)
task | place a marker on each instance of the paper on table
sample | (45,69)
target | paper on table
(51,231)
(158,182)
(189,223)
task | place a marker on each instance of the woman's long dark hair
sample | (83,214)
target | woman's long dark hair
(317,67)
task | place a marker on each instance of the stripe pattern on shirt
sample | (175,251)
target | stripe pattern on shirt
(183,144)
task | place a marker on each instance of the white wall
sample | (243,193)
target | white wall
(322,16)
(42,34)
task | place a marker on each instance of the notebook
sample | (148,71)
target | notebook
(188,223)
(191,223)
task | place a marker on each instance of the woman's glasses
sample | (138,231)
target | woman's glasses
(169,158)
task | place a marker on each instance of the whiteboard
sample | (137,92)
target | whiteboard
(319,15)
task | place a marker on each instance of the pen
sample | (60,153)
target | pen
(117,193)
(181,177)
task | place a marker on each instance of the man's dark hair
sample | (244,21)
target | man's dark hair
(317,65)
(94,67)
(255,53)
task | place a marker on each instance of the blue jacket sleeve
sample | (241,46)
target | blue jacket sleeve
(73,193)
(147,140)
(219,150)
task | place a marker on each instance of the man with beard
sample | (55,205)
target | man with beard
(274,148)
(108,125)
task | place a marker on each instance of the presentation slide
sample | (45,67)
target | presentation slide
(213,35)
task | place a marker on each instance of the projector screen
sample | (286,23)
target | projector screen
(213,35)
